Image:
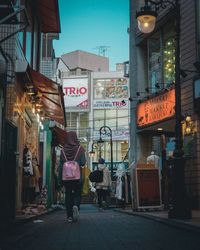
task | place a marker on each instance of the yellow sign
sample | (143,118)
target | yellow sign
(156,109)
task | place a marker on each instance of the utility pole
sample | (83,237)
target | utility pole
(102,49)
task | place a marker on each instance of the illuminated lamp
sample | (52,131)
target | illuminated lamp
(146,19)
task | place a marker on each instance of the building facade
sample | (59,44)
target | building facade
(25,106)
(95,97)
(109,109)
(152,83)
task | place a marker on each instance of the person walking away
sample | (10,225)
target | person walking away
(102,188)
(72,150)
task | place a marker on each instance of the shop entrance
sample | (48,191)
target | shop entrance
(9,179)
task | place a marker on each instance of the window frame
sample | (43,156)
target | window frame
(198,28)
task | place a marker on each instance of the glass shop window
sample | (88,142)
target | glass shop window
(122,118)
(98,118)
(111,118)
(99,89)
(110,88)
(169,54)
(155,66)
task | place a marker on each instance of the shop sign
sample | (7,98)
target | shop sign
(110,104)
(156,109)
(148,187)
(75,92)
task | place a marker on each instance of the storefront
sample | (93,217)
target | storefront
(155,129)
(110,107)
(38,99)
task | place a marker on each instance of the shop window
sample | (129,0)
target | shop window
(98,119)
(122,119)
(111,118)
(110,88)
(83,125)
(169,54)
(124,150)
(161,57)
(155,68)
(72,119)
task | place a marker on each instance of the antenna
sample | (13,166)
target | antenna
(102,49)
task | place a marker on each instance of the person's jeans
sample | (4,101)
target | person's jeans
(102,196)
(72,196)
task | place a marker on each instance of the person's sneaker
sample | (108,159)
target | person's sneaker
(75,213)
(69,219)
(104,206)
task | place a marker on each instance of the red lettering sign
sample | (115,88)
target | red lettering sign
(75,91)
(156,109)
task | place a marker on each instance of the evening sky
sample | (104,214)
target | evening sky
(88,24)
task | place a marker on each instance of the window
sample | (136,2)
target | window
(117,121)
(169,54)
(98,119)
(28,46)
(110,88)
(122,120)
(46,46)
(197,95)
(35,44)
(198,27)
(161,57)
(155,67)
(111,118)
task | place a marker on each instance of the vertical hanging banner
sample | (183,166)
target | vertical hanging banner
(75,93)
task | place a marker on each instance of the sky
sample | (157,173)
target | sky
(88,24)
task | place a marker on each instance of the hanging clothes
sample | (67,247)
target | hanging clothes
(119,182)
(27,162)
(118,192)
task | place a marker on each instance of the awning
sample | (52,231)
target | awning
(51,96)
(59,136)
(49,16)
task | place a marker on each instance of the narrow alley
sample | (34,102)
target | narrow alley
(98,230)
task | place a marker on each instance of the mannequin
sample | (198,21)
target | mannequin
(153,159)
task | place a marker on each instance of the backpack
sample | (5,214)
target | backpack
(96,176)
(71,169)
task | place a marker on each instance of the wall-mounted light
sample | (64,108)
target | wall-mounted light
(188,125)
(146,19)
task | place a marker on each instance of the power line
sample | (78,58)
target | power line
(102,49)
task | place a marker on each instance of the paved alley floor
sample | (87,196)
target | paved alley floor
(95,230)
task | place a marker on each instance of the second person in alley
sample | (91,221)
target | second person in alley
(102,188)
(72,151)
